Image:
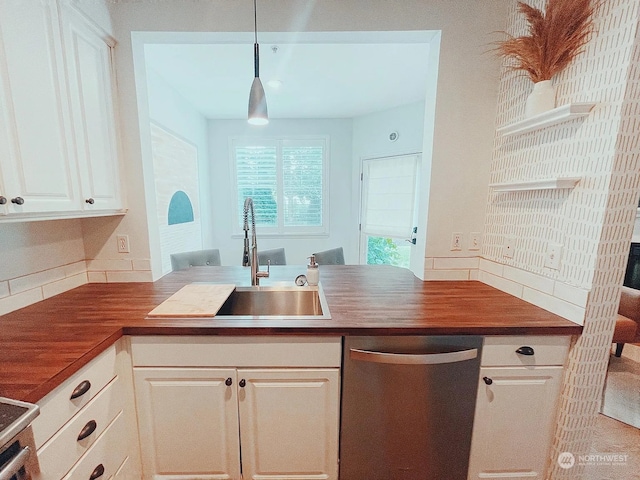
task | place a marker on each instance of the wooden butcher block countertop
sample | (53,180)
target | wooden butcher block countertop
(43,344)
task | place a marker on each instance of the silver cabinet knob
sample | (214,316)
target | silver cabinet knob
(17,200)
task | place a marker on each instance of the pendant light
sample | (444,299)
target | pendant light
(257,101)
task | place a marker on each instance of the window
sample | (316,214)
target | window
(388,205)
(287,180)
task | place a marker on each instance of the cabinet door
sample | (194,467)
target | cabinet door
(188,421)
(513,422)
(289,423)
(39,166)
(91,84)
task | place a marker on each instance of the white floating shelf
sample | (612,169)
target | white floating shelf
(546,184)
(546,119)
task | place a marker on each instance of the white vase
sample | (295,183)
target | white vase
(541,99)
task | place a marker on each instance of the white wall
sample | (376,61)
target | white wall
(44,258)
(371,139)
(38,260)
(172,113)
(341,213)
(593,221)
(464,111)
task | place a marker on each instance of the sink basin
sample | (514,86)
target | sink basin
(276,302)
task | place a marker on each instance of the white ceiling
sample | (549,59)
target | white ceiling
(324,78)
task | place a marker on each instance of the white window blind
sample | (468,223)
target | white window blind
(389,196)
(286,179)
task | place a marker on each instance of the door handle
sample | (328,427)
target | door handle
(413,358)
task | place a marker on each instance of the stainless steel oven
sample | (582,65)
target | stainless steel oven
(17,448)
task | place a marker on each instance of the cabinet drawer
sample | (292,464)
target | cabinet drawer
(125,471)
(58,407)
(107,454)
(59,454)
(545,350)
(234,352)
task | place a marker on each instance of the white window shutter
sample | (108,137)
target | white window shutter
(389,190)
(287,180)
(256,177)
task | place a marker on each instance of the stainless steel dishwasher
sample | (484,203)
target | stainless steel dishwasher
(407,407)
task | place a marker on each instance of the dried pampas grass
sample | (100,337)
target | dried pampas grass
(555,37)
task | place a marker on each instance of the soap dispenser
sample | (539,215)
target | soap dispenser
(313,272)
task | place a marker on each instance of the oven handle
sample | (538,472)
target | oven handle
(413,359)
(15,464)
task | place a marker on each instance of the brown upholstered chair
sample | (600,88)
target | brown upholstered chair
(628,322)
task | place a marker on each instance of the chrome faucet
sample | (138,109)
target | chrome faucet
(256,274)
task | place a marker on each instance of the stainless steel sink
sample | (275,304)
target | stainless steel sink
(276,302)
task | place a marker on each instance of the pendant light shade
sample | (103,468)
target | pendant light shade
(258,114)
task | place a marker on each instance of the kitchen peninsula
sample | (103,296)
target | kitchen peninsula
(45,343)
(49,346)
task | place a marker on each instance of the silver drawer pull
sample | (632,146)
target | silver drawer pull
(413,359)
(16,463)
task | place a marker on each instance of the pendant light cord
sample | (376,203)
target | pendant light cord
(255,21)
(256,49)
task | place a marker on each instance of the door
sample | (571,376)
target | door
(388,205)
(289,420)
(38,165)
(89,64)
(514,415)
(188,421)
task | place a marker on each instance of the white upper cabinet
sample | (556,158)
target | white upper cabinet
(38,166)
(58,142)
(91,79)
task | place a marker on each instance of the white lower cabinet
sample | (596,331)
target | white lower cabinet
(289,423)
(87,426)
(516,406)
(188,421)
(259,421)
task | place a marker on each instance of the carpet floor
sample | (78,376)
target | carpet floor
(614,438)
(621,399)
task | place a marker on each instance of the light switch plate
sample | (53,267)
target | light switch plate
(474,241)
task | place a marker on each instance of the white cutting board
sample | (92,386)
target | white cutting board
(194,300)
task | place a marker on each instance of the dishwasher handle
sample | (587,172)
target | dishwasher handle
(412,358)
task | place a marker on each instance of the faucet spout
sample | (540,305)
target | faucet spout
(256,274)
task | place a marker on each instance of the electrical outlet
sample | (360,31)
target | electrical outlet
(508,248)
(552,258)
(474,241)
(456,241)
(123,243)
